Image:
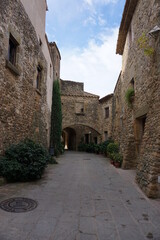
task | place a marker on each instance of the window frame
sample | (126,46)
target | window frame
(39,77)
(12,62)
(106,112)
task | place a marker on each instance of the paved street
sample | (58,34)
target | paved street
(81,198)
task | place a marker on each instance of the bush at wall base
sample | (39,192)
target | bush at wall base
(25,161)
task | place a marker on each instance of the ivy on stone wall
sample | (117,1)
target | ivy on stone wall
(56,119)
(143,43)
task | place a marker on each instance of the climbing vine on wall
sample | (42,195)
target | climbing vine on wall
(143,43)
(56,119)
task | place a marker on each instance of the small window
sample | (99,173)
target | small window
(95,140)
(79,108)
(86,138)
(40,42)
(132,83)
(39,78)
(12,51)
(107,112)
(106,135)
(50,70)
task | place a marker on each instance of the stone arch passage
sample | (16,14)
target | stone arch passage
(75,134)
(69,138)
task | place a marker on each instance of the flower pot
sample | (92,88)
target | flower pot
(117,164)
(112,162)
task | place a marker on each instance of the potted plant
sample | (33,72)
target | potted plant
(117,158)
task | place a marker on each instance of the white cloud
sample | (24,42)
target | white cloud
(92,2)
(90,20)
(101,20)
(89,2)
(97,65)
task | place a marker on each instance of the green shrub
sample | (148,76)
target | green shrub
(128,96)
(24,161)
(117,157)
(90,147)
(97,148)
(112,148)
(105,145)
(52,160)
(82,147)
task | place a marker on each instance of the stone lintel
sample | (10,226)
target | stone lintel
(141,111)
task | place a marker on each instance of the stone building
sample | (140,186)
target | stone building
(86,118)
(80,115)
(26,72)
(56,58)
(137,127)
(105,105)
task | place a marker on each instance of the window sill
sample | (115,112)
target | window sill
(80,114)
(13,68)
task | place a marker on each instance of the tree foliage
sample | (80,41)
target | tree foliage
(56,119)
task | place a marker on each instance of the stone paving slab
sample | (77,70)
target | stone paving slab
(82,198)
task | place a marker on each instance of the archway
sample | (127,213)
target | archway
(69,136)
(76,134)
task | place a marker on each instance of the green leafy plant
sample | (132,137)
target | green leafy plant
(129,96)
(90,148)
(52,160)
(143,43)
(97,148)
(56,120)
(112,148)
(82,147)
(117,157)
(24,161)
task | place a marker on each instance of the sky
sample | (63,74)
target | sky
(86,33)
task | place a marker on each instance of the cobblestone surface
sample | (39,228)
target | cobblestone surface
(81,198)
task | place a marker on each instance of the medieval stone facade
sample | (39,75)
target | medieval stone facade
(80,120)
(137,127)
(26,73)
(105,105)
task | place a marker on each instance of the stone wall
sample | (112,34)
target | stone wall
(70,87)
(137,127)
(80,111)
(23,107)
(106,121)
(56,58)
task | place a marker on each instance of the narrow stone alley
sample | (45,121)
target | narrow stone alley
(82,198)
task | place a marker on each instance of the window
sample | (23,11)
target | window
(40,42)
(95,140)
(86,138)
(39,77)
(106,112)
(12,51)
(140,129)
(79,108)
(50,70)
(105,135)
(132,83)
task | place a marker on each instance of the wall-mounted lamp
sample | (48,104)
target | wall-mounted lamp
(154,32)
